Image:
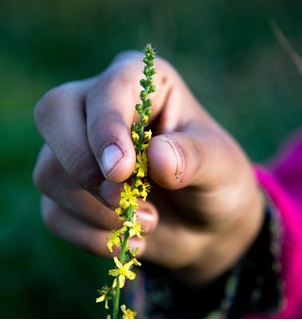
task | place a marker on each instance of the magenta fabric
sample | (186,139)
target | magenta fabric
(282,181)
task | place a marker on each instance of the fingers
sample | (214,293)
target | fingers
(53,181)
(110,109)
(60,118)
(87,124)
(81,219)
(84,235)
(73,230)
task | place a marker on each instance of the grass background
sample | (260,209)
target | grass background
(225,50)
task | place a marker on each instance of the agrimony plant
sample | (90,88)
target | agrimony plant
(135,187)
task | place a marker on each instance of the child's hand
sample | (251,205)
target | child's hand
(204,208)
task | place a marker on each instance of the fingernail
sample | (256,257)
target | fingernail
(136,243)
(109,193)
(110,157)
(146,219)
(179,161)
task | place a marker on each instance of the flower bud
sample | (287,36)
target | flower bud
(152,89)
(151,71)
(143,82)
(145,119)
(138,107)
(148,103)
(148,81)
(143,95)
(147,135)
(135,137)
(147,70)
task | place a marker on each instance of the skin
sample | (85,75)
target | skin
(204,209)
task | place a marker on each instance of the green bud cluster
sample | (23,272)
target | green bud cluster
(144,109)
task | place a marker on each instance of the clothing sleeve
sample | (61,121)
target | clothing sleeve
(281,180)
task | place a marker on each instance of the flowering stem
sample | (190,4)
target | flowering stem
(128,203)
(116,299)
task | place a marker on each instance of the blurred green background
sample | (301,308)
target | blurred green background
(227,53)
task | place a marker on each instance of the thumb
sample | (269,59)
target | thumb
(203,158)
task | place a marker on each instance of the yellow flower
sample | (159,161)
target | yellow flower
(138,182)
(133,252)
(143,187)
(128,197)
(122,272)
(136,262)
(145,119)
(121,213)
(118,211)
(135,227)
(147,135)
(135,136)
(114,239)
(144,190)
(127,313)
(141,164)
(144,146)
(106,295)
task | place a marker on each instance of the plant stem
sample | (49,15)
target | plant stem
(122,260)
(116,301)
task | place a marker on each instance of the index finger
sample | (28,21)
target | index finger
(110,110)
(60,119)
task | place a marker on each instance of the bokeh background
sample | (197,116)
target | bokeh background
(227,52)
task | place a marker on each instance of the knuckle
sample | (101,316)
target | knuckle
(51,102)
(50,214)
(84,170)
(45,169)
(37,177)
(48,173)
(42,107)
(126,54)
(130,57)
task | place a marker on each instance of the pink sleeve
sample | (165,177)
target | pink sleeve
(287,167)
(282,182)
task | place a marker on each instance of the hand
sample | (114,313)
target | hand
(204,208)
